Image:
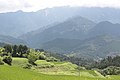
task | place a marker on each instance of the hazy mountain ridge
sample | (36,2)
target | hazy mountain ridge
(106,27)
(11,40)
(96,47)
(18,23)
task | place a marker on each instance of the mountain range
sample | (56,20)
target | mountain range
(17,23)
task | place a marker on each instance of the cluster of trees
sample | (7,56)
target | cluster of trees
(106,62)
(9,51)
(111,70)
(34,55)
(108,66)
(15,50)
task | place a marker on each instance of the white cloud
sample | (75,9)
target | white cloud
(13,5)
(34,5)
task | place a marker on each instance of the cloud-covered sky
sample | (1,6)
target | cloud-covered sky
(34,5)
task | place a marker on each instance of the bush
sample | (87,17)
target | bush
(32,57)
(8,60)
(1,62)
(112,70)
(27,66)
(42,57)
(51,59)
(81,68)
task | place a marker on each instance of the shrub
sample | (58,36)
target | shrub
(42,57)
(112,70)
(51,59)
(32,57)
(27,66)
(81,68)
(8,60)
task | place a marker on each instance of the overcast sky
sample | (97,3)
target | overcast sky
(34,5)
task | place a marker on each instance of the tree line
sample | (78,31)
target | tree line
(15,50)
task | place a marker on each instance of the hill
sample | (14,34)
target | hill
(94,48)
(61,70)
(73,28)
(17,73)
(106,27)
(98,47)
(61,45)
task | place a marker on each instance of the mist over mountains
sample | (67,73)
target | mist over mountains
(18,23)
(77,31)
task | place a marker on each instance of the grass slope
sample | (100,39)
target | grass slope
(19,61)
(16,73)
(60,71)
(55,68)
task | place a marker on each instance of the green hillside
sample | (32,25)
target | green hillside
(58,68)
(16,73)
(39,66)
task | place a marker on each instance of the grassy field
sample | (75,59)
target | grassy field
(63,70)
(19,61)
(17,73)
